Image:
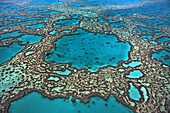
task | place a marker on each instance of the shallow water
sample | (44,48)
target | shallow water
(135,74)
(134,92)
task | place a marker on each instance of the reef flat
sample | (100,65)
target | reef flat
(28,71)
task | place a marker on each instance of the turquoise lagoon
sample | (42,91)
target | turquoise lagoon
(163,55)
(7,52)
(90,51)
(65,23)
(134,92)
(53,32)
(11,50)
(61,105)
(30,38)
(132,64)
(135,74)
(163,39)
(10,34)
(35,26)
(66,72)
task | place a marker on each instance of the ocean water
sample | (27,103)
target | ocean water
(128,41)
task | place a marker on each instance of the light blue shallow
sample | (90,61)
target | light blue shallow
(53,32)
(135,74)
(66,72)
(60,105)
(132,64)
(145,94)
(134,93)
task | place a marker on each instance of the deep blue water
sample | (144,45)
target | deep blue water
(60,105)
